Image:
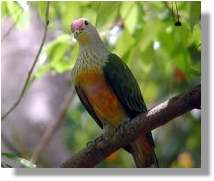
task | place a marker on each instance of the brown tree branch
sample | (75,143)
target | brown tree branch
(53,128)
(101,147)
(32,67)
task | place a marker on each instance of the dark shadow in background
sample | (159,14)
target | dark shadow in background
(205,132)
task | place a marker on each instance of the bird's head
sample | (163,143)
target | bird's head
(84,32)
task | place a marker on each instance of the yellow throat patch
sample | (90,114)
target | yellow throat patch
(84,39)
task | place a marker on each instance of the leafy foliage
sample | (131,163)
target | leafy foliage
(165,59)
(19,15)
(25,163)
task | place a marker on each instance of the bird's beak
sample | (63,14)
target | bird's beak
(77,28)
(77,33)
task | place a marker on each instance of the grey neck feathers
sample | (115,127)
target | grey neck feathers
(95,47)
(91,57)
(94,54)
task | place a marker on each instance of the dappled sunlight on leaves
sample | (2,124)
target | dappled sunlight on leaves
(164,58)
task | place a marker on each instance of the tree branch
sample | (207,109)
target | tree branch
(12,26)
(175,15)
(32,67)
(101,147)
(53,128)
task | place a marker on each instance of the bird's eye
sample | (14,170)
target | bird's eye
(86,22)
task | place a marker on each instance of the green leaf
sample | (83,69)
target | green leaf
(194,71)
(43,69)
(181,60)
(57,48)
(60,54)
(106,12)
(9,155)
(13,9)
(196,36)
(16,13)
(25,163)
(4,10)
(149,33)
(194,53)
(181,35)
(195,13)
(129,13)
(124,43)
(40,6)
(68,11)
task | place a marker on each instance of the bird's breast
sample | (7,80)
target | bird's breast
(101,97)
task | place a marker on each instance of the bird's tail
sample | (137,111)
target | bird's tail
(143,152)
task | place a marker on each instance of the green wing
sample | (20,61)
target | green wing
(124,85)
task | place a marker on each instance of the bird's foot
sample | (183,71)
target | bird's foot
(109,132)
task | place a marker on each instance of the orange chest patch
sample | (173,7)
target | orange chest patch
(101,97)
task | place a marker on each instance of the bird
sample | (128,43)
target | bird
(108,90)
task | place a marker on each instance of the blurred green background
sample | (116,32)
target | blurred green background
(165,59)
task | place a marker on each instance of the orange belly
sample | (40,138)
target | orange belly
(101,97)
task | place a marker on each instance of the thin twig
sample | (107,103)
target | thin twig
(171,9)
(11,27)
(176,16)
(176,7)
(127,132)
(32,68)
(53,128)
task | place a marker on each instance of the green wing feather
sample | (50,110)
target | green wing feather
(125,86)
